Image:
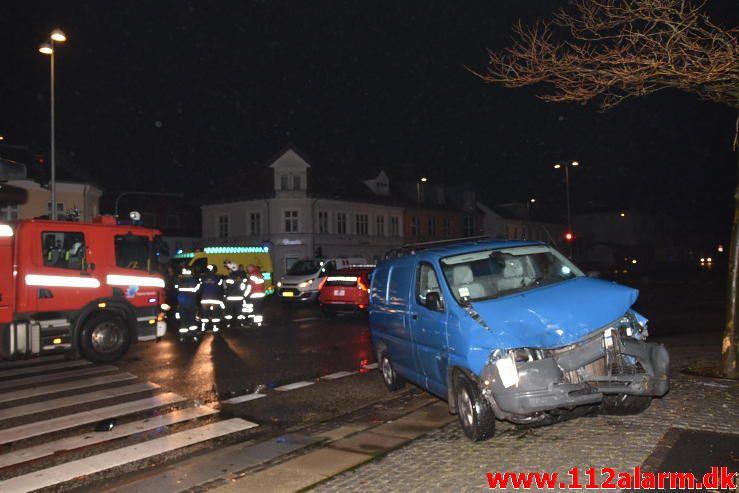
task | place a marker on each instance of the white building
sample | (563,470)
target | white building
(297,223)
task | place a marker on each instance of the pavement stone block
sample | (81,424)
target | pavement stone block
(368,442)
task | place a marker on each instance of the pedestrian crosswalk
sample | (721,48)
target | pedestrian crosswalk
(49,410)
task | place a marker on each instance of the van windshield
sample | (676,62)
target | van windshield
(304,267)
(487,274)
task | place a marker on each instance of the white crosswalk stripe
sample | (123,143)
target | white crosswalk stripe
(50,407)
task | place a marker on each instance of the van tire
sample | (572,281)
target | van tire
(392,380)
(104,338)
(624,404)
(476,417)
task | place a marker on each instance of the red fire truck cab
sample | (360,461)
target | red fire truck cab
(90,289)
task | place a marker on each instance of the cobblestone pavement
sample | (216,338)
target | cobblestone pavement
(446,461)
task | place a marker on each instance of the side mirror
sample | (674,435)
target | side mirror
(433,301)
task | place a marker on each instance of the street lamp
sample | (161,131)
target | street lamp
(423,179)
(47,48)
(567,188)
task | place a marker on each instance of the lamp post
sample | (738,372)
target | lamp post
(47,48)
(567,188)
(423,179)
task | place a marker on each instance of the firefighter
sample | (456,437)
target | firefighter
(233,296)
(254,292)
(188,298)
(211,299)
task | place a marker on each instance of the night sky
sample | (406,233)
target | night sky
(174,95)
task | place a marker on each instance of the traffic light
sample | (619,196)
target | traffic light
(569,236)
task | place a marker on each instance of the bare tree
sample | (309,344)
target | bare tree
(612,50)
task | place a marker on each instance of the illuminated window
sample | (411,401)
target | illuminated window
(362,225)
(9,212)
(59,207)
(291,221)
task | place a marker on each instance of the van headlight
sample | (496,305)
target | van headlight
(305,284)
(630,326)
(507,370)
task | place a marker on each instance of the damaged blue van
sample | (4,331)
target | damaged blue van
(511,330)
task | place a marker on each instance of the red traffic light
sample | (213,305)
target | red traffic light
(569,236)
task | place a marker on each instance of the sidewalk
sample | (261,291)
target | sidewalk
(444,460)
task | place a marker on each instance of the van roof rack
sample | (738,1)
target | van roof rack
(411,248)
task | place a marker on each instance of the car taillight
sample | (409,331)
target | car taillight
(320,286)
(361,285)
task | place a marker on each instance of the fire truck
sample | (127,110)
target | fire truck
(87,289)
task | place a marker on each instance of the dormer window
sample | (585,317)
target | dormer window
(296,182)
(283,182)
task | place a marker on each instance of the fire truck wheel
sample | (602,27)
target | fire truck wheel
(104,338)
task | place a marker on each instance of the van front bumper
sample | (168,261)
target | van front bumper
(580,375)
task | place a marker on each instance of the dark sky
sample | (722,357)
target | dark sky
(167,95)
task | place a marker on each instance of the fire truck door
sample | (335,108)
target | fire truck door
(7,294)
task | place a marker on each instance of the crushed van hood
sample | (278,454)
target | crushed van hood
(556,315)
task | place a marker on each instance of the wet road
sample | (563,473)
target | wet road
(295,343)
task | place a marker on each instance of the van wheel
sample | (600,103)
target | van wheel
(104,338)
(392,380)
(475,415)
(625,404)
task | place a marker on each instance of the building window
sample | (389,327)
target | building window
(255,223)
(468,225)
(361,225)
(149,219)
(223,226)
(380,225)
(59,208)
(173,220)
(414,226)
(432,226)
(446,226)
(394,226)
(323,221)
(291,221)
(296,182)
(9,212)
(283,182)
(341,223)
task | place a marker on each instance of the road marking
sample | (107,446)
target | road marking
(120,431)
(372,366)
(306,319)
(48,390)
(30,430)
(338,374)
(91,465)
(62,375)
(293,386)
(74,400)
(22,363)
(243,398)
(29,370)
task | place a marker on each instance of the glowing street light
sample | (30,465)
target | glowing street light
(47,48)
(567,188)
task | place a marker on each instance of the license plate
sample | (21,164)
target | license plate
(339,292)
(288,294)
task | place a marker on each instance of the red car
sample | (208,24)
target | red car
(345,290)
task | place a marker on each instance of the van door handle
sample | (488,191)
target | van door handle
(414,316)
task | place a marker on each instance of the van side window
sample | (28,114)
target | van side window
(378,292)
(426,282)
(400,285)
(63,249)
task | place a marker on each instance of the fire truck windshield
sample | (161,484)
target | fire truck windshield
(135,252)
